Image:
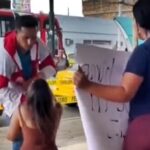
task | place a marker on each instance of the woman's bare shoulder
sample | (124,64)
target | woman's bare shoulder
(24,108)
(25,113)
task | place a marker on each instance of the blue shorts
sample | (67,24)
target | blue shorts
(17,144)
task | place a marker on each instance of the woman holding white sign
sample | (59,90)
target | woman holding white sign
(135,84)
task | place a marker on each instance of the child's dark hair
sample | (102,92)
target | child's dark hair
(41,102)
(141,12)
(27,21)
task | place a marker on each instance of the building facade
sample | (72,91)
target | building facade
(107,8)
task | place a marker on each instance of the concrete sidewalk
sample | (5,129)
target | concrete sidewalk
(80,146)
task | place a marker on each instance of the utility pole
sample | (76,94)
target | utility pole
(119,32)
(51,34)
(119,8)
(68,11)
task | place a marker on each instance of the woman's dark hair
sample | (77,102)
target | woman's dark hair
(141,12)
(27,21)
(41,102)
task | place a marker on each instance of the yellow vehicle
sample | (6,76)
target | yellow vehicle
(63,87)
(1,109)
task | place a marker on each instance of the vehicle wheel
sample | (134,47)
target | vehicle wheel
(1,112)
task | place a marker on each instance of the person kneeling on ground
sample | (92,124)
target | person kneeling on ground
(37,118)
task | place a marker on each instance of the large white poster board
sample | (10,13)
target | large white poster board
(104,122)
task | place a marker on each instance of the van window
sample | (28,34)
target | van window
(87,42)
(46,26)
(102,42)
(7,24)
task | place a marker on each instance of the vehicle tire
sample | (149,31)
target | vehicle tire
(72,105)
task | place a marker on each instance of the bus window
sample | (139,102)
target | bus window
(46,27)
(7,24)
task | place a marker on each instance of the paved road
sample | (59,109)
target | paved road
(70,131)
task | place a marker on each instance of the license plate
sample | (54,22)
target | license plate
(66,100)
